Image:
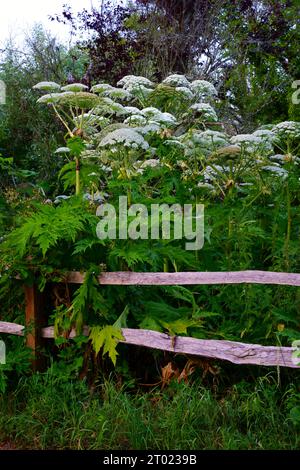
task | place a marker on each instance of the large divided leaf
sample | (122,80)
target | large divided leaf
(106,337)
(48,226)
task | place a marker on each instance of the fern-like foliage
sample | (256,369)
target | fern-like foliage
(48,226)
(88,302)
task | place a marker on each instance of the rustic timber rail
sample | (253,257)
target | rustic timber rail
(235,352)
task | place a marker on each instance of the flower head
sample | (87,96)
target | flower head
(177,80)
(206,110)
(134,81)
(75,87)
(125,137)
(47,86)
(203,89)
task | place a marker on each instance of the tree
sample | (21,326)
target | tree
(112,45)
(262,38)
(27,132)
(248,48)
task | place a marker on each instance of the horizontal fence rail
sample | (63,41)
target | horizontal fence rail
(128,278)
(235,352)
(36,330)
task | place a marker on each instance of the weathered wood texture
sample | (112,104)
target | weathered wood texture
(35,319)
(190,278)
(11,328)
(235,352)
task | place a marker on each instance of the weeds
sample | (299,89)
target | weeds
(47,413)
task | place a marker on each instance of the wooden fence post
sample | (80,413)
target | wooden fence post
(34,321)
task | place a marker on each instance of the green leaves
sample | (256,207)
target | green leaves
(179,326)
(76,146)
(87,300)
(106,337)
(5,163)
(48,226)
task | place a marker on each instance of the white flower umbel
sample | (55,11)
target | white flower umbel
(109,107)
(287,126)
(100,88)
(209,138)
(135,81)
(149,128)
(156,115)
(251,142)
(118,94)
(47,86)
(125,137)
(75,87)
(278,157)
(103,89)
(166,119)
(174,143)
(117,109)
(287,158)
(150,112)
(151,162)
(265,134)
(275,169)
(49,98)
(206,110)
(138,90)
(55,97)
(177,80)
(287,130)
(185,91)
(205,141)
(136,120)
(132,110)
(203,89)
(62,150)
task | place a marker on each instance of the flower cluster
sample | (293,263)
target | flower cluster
(175,119)
(125,137)
(177,80)
(47,86)
(252,143)
(106,90)
(203,89)
(130,81)
(286,131)
(206,111)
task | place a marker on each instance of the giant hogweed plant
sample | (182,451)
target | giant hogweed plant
(163,143)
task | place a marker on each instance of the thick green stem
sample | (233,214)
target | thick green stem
(62,120)
(77,184)
(288,230)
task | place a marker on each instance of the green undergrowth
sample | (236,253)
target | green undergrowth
(47,412)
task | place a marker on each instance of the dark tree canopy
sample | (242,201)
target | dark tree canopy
(247,46)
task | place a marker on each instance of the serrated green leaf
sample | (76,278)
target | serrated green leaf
(149,323)
(83,245)
(76,146)
(106,337)
(180,326)
(121,322)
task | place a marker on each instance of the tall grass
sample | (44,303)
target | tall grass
(46,413)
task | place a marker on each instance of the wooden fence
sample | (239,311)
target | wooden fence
(235,352)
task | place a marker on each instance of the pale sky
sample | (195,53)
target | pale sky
(17,16)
